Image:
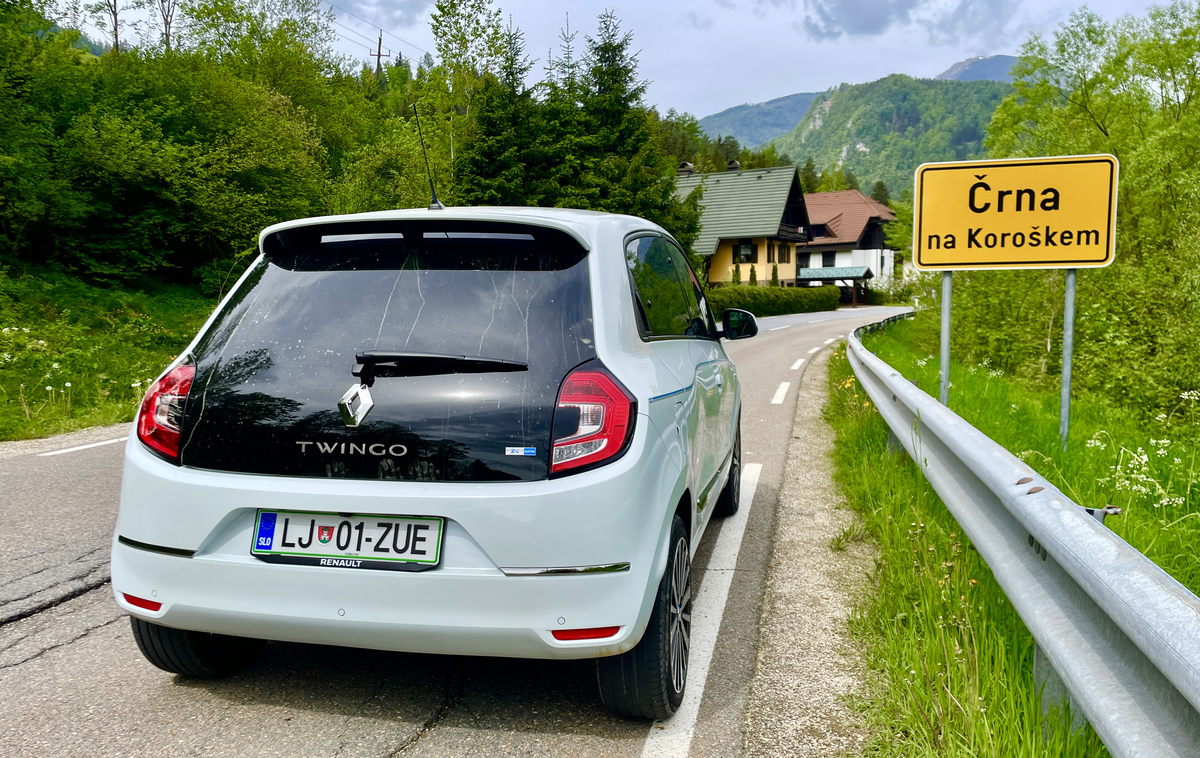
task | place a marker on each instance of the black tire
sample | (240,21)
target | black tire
(648,681)
(730,498)
(199,655)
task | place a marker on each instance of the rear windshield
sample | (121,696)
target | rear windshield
(507,292)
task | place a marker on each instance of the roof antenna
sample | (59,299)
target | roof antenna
(436,205)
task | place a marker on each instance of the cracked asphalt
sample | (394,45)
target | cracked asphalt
(72,681)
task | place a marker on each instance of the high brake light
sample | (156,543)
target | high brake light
(605,420)
(162,412)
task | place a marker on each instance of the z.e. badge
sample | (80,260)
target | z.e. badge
(390,543)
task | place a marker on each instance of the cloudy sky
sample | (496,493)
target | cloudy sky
(707,55)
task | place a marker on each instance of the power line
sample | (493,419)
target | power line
(368,40)
(376,26)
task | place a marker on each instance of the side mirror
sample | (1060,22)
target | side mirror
(738,324)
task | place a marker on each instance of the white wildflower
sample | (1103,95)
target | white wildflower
(53,365)
(49,388)
(136,384)
(68,384)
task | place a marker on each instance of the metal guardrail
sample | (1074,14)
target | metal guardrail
(1121,633)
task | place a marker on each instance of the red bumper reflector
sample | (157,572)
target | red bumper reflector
(149,605)
(598,633)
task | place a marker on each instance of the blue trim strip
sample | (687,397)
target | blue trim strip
(671,394)
(693,384)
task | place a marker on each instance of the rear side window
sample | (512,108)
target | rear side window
(668,302)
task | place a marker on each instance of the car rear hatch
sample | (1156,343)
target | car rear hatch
(463,332)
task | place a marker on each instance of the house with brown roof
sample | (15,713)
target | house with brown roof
(847,242)
(749,218)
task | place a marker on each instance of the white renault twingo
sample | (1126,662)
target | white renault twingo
(473,431)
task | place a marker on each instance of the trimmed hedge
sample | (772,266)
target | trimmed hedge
(773,301)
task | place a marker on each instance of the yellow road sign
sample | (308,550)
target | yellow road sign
(1017,213)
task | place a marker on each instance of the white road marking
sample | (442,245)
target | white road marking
(818,321)
(831,339)
(780,393)
(673,738)
(81,447)
(797,364)
(815,349)
(777,328)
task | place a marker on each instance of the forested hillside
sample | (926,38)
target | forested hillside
(133,184)
(884,129)
(754,124)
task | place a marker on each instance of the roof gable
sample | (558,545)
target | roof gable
(845,214)
(747,203)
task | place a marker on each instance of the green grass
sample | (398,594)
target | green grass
(953,659)
(1116,456)
(74,355)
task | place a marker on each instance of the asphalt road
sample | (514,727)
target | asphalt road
(73,683)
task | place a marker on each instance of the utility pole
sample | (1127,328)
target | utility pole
(379,56)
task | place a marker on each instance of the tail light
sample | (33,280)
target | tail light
(593,422)
(162,412)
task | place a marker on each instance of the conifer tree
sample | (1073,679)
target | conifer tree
(879,193)
(753,276)
(774,274)
(737,273)
(809,179)
(492,167)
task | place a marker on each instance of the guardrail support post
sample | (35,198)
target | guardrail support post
(944,391)
(1064,419)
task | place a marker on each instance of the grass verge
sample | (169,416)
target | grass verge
(953,660)
(1147,466)
(74,355)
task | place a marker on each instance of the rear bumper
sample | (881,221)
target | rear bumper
(425,612)
(468,605)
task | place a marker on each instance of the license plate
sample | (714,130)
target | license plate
(392,543)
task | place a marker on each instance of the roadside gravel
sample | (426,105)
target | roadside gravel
(60,441)
(806,665)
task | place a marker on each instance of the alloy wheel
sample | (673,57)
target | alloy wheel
(680,615)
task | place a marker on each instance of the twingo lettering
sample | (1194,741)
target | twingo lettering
(978,198)
(379,448)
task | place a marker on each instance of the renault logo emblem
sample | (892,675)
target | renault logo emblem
(356,404)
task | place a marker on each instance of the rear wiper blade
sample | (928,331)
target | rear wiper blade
(427,364)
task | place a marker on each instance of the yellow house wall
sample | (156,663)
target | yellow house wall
(721,268)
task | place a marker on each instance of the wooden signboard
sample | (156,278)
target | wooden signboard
(1016,213)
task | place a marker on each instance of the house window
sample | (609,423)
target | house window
(818,230)
(785,253)
(770,252)
(746,251)
(828,260)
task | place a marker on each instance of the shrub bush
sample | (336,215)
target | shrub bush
(773,301)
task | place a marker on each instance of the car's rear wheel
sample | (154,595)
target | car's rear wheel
(196,654)
(648,681)
(730,497)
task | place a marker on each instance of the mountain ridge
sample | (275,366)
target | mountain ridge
(754,125)
(883,130)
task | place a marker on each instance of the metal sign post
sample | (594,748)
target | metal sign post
(944,389)
(1064,419)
